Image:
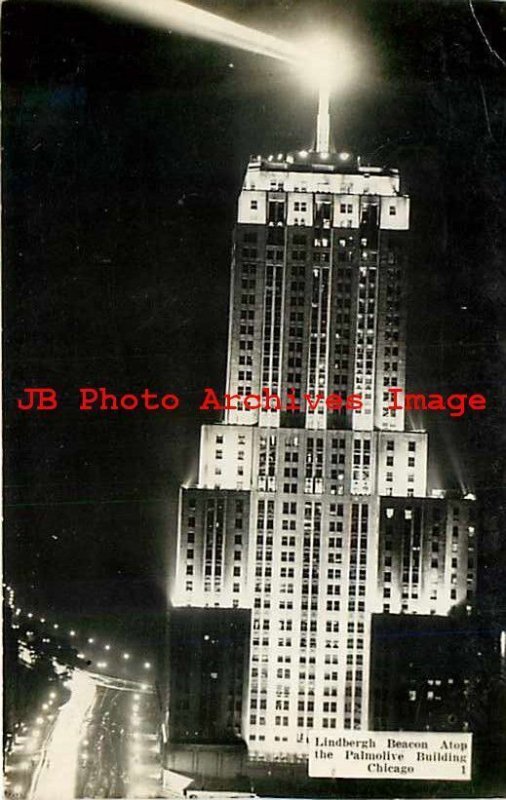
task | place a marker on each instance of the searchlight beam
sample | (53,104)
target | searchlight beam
(325,64)
(185,18)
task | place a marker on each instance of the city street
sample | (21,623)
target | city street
(102,742)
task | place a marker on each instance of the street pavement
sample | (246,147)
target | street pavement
(102,742)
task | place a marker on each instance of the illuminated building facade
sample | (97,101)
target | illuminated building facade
(315,519)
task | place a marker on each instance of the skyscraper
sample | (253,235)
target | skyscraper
(311,512)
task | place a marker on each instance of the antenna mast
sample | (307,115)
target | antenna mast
(323,120)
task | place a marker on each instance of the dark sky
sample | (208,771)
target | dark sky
(124,149)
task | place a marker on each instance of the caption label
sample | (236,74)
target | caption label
(396,755)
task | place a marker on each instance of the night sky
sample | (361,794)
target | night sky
(124,150)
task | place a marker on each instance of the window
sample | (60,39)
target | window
(392,211)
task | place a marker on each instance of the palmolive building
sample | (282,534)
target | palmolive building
(310,522)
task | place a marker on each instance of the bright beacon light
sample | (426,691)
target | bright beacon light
(328,64)
(329,61)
